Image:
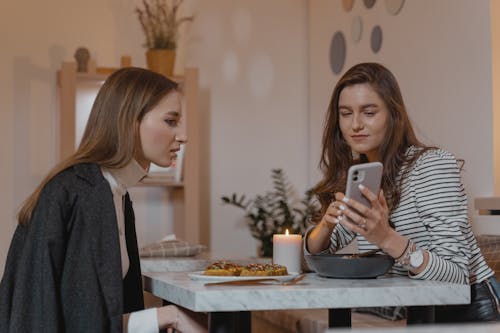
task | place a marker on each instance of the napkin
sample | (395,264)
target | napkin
(169,246)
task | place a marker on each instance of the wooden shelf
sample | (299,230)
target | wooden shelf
(185,196)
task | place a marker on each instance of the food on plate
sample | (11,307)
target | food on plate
(263,270)
(228,268)
(223,268)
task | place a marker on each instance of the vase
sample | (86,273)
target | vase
(161,61)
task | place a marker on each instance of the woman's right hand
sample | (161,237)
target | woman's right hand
(183,320)
(333,213)
(318,239)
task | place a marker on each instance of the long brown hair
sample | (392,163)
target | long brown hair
(337,156)
(111,138)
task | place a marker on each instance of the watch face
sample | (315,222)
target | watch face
(416,258)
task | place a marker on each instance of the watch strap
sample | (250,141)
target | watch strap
(404,259)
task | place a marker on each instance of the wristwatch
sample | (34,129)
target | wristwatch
(416,258)
(412,258)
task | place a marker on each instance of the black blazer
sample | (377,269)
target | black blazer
(63,270)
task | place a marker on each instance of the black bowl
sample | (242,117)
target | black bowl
(349,266)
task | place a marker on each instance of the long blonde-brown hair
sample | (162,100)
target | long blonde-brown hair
(111,138)
(337,157)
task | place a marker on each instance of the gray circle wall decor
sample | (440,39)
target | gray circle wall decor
(369,3)
(347,4)
(337,52)
(376,39)
(394,6)
(356,29)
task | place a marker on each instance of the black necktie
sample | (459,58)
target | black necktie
(133,299)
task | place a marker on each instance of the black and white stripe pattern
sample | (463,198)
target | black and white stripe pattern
(433,213)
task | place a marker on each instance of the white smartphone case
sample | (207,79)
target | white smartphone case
(368,174)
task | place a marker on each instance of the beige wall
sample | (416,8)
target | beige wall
(440,51)
(253,99)
(265,85)
(253,61)
(495,89)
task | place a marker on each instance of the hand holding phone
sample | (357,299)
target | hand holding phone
(368,174)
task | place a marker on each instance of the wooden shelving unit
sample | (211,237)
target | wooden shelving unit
(184,192)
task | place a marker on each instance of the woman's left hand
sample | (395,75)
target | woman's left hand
(372,223)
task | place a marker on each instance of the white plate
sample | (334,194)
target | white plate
(199,276)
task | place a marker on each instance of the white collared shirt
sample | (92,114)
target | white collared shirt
(145,321)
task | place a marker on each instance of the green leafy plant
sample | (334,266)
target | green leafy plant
(160,23)
(275,211)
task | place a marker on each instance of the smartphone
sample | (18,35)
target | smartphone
(368,174)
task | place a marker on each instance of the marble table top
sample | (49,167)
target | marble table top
(314,292)
(441,328)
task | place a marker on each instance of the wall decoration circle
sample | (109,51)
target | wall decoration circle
(260,75)
(356,29)
(230,67)
(347,4)
(394,6)
(369,3)
(337,52)
(376,39)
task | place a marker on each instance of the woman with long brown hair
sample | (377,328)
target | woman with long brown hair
(419,217)
(73,264)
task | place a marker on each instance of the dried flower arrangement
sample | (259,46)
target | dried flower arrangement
(160,24)
(274,212)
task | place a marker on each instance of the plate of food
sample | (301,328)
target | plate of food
(228,271)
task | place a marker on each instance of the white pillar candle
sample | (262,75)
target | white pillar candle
(287,250)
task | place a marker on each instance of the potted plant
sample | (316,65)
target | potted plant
(160,23)
(275,211)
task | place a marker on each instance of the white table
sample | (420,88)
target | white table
(229,306)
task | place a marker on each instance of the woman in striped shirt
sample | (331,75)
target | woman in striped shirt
(420,215)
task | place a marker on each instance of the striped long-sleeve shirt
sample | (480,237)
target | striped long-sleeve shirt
(433,213)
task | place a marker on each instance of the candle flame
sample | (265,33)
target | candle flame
(286,232)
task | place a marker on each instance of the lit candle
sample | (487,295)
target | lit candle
(287,251)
